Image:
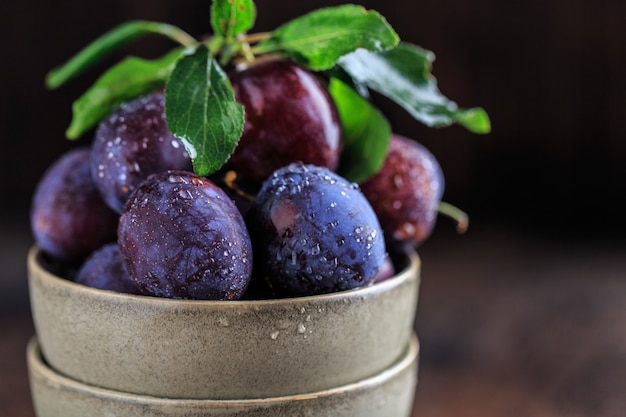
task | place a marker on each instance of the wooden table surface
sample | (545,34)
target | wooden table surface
(510,325)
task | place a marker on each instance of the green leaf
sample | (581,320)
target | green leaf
(108,43)
(201,110)
(366,133)
(127,80)
(403,74)
(231,17)
(318,39)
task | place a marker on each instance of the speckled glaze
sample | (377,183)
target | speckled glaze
(221,350)
(389,393)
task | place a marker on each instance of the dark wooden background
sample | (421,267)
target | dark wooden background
(524,315)
(550,74)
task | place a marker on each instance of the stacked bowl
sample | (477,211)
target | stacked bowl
(99,353)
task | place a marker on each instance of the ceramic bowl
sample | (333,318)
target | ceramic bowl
(221,350)
(388,393)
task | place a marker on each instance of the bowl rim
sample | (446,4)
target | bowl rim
(37,365)
(409,271)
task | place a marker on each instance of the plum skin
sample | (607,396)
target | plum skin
(405,193)
(313,232)
(69,219)
(180,236)
(289,117)
(132,143)
(104,270)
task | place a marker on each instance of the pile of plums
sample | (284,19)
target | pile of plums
(133,217)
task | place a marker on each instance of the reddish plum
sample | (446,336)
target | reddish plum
(290,117)
(406,192)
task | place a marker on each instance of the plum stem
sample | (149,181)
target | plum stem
(258,59)
(229,179)
(255,37)
(459,216)
(245,48)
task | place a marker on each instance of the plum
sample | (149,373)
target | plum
(132,143)
(180,236)
(313,232)
(290,117)
(68,217)
(105,270)
(405,193)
